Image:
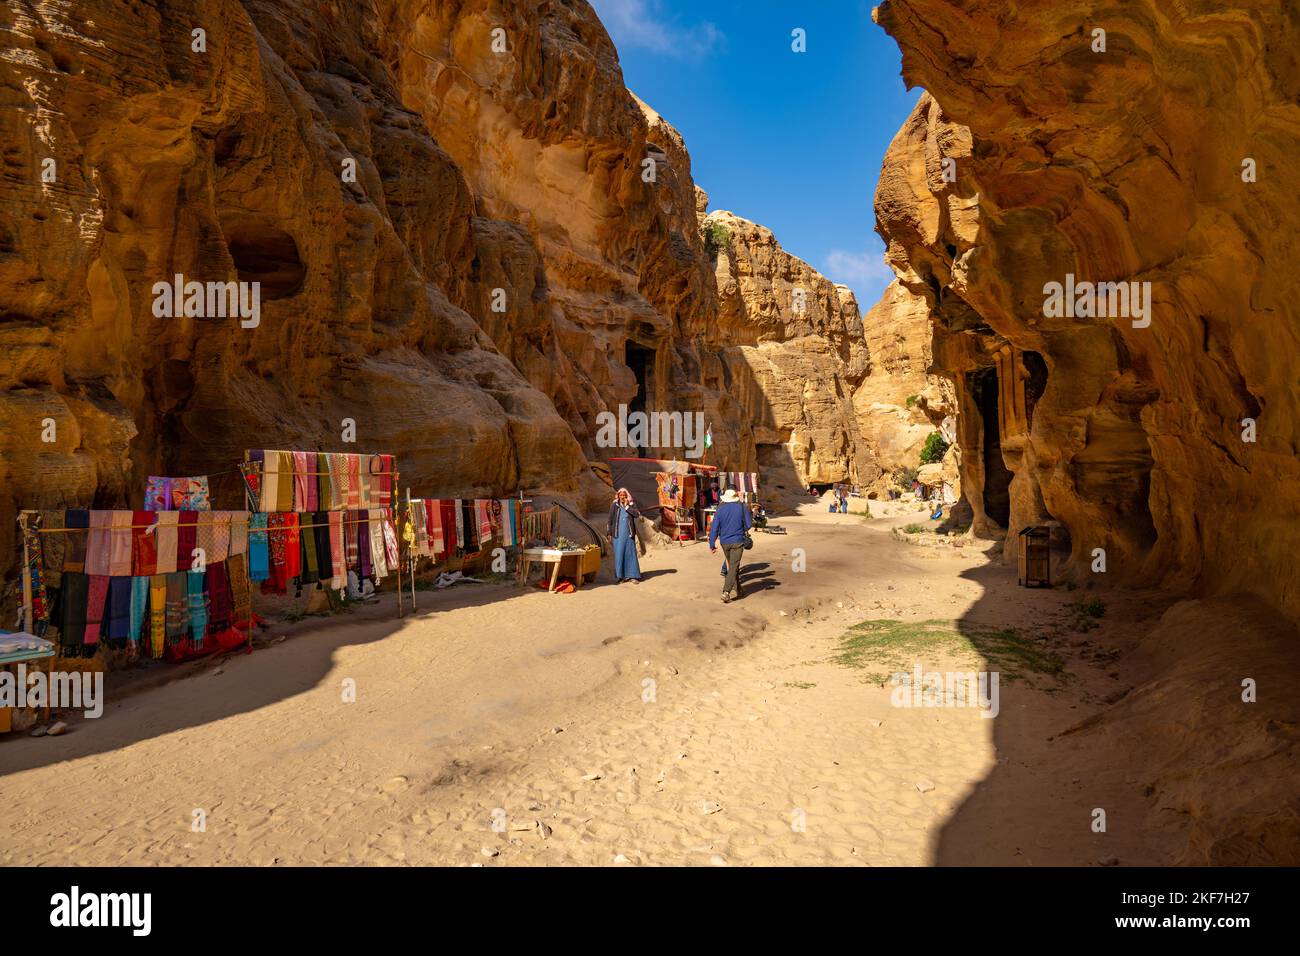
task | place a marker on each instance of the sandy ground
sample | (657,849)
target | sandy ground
(625,724)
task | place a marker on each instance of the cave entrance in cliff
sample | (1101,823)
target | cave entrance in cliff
(641,361)
(997,477)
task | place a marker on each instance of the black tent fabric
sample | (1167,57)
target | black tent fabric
(637,475)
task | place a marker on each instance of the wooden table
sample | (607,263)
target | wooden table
(39,649)
(557,558)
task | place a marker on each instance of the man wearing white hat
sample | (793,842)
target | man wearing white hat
(730,526)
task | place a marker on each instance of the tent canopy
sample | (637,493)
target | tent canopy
(637,475)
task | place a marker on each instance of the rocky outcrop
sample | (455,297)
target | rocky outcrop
(469,239)
(789,348)
(900,403)
(1168,440)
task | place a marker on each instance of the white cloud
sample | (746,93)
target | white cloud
(644,24)
(864,272)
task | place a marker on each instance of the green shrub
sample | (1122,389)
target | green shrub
(934,449)
(911,400)
(716,238)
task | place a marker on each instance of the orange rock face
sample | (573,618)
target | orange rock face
(1166,437)
(468,238)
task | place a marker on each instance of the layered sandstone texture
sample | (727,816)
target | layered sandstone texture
(1165,159)
(788,348)
(470,239)
(900,402)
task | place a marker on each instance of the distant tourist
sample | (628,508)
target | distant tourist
(622,535)
(729,527)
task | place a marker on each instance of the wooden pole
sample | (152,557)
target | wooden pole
(27,576)
(410,516)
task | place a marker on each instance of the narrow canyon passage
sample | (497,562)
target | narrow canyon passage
(641,724)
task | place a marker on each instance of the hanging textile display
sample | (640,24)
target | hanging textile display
(315,482)
(116,588)
(172,579)
(177,494)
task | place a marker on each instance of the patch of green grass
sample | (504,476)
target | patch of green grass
(801,685)
(911,400)
(1095,607)
(885,647)
(1086,613)
(914,528)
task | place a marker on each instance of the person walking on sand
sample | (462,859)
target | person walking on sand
(729,527)
(622,535)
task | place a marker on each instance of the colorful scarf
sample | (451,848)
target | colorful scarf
(190,494)
(220,536)
(187,539)
(365,559)
(324,556)
(53,547)
(158,494)
(95,601)
(119,543)
(338,559)
(198,605)
(144,543)
(206,538)
(258,548)
(139,604)
(74,558)
(307,536)
(217,585)
(168,535)
(378,561)
(178,614)
(99,543)
(157,614)
(117,609)
(238,532)
(74,597)
(300,477)
(354,482)
(241,599)
(390,544)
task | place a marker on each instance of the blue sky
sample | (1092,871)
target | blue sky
(790,140)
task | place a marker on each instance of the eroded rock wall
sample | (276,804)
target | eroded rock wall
(789,348)
(456,244)
(1126,166)
(900,402)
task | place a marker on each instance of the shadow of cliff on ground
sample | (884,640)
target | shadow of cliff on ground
(1148,726)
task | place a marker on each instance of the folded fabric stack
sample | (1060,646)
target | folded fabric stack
(310,481)
(443,527)
(171,582)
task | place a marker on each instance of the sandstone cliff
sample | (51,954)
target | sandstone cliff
(789,346)
(1165,443)
(901,402)
(1123,165)
(458,247)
